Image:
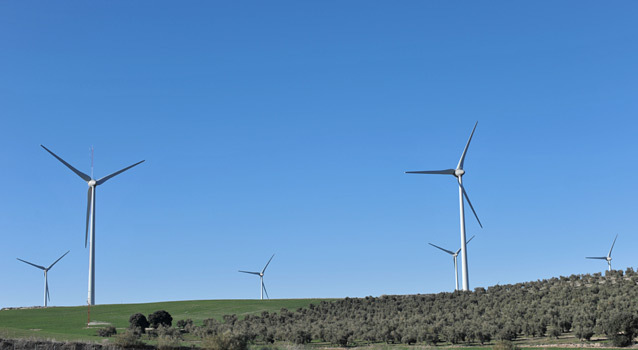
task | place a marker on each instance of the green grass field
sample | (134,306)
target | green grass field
(70,323)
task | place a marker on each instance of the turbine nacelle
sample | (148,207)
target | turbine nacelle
(92,183)
(459,172)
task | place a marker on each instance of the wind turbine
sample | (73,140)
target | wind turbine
(454,255)
(458,173)
(46,278)
(90,216)
(261,278)
(608,257)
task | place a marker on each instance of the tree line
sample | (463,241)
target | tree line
(583,304)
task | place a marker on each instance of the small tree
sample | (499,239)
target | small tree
(160,317)
(138,322)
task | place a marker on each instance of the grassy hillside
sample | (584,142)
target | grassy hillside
(69,323)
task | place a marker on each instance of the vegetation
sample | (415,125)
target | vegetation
(581,305)
(160,318)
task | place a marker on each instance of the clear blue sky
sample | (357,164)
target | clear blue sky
(286,127)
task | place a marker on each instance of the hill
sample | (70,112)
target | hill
(578,305)
(69,323)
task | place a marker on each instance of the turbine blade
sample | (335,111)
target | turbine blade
(88,214)
(265,290)
(38,266)
(84,176)
(104,179)
(612,247)
(458,250)
(460,165)
(47,291)
(440,172)
(471,238)
(264,270)
(60,258)
(445,250)
(470,203)
(252,273)
(596,257)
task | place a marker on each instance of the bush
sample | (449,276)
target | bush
(106,331)
(138,321)
(168,342)
(225,341)
(128,339)
(160,317)
(185,324)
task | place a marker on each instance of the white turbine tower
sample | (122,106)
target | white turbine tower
(90,217)
(46,277)
(261,278)
(454,255)
(458,173)
(608,257)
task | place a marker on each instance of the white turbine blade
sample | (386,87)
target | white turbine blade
(252,273)
(84,176)
(88,214)
(460,166)
(49,268)
(470,203)
(263,285)
(612,246)
(104,179)
(264,270)
(38,266)
(596,257)
(439,172)
(445,250)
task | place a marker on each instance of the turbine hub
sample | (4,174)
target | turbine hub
(92,183)
(459,172)
(261,274)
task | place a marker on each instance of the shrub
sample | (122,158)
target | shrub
(185,324)
(168,342)
(160,317)
(128,339)
(106,331)
(138,321)
(225,341)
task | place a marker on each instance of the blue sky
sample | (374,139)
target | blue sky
(285,127)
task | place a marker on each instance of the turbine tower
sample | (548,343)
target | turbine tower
(90,216)
(261,278)
(608,257)
(46,278)
(458,173)
(454,255)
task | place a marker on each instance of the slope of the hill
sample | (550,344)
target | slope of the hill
(70,323)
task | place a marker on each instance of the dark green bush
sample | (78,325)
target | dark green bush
(139,322)
(106,331)
(160,317)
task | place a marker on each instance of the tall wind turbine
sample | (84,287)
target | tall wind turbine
(608,257)
(458,173)
(46,278)
(261,278)
(454,255)
(90,216)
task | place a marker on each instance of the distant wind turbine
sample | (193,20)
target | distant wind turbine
(261,278)
(90,215)
(608,257)
(46,278)
(454,255)
(458,173)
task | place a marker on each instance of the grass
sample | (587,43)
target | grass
(70,323)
